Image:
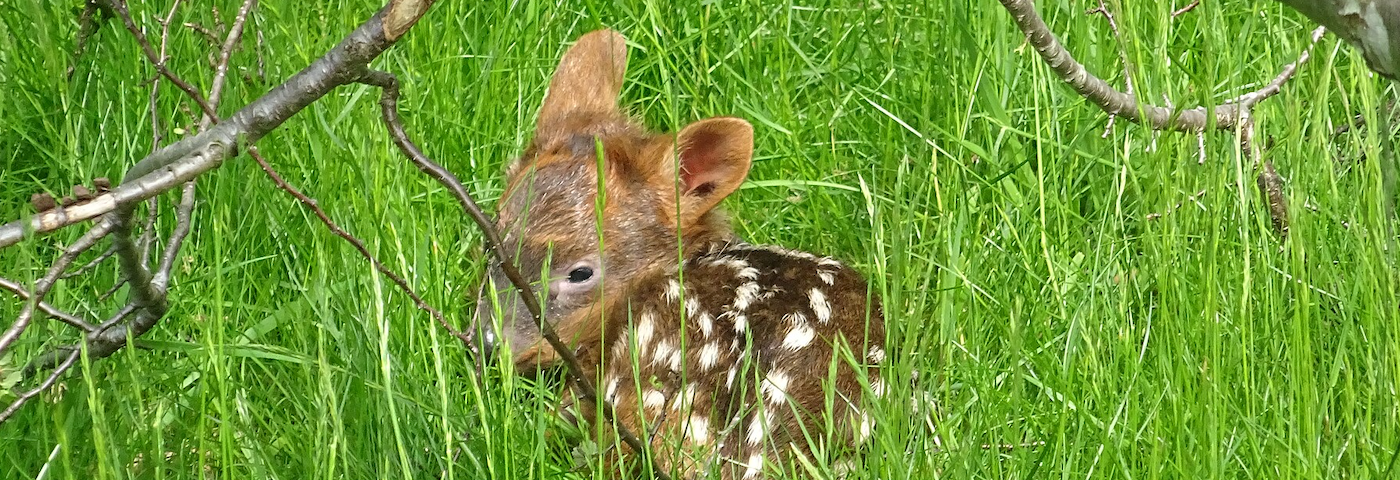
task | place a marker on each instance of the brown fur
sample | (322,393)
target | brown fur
(730,353)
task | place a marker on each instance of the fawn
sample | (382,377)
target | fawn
(721,354)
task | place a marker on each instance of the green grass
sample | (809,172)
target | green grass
(923,143)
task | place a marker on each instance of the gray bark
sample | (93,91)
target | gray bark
(1371,26)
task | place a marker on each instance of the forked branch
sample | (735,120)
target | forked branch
(1225,116)
(166,169)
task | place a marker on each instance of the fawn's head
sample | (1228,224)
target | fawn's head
(582,248)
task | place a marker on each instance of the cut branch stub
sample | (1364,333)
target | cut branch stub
(403,14)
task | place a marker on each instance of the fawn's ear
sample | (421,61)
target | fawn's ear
(588,78)
(710,160)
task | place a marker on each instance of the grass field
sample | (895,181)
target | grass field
(1027,276)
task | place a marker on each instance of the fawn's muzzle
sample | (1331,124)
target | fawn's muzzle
(502,320)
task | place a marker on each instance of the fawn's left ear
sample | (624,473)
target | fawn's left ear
(710,159)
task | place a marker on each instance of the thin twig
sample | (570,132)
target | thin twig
(1182,11)
(388,101)
(216,92)
(88,24)
(203,31)
(100,337)
(45,283)
(320,213)
(1122,57)
(119,6)
(48,382)
(1225,116)
(156,135)
(184,215)
(50,310)
(87,267)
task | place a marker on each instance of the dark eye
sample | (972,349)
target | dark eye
(580,274)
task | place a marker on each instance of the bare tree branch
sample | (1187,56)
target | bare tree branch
(388,102)
(45,283)
(182,161)
(1114,102)
(1371,26)
(91,264)
(119,6)
(48,382)
(171,166)
(49,310)
(235,34)
(1189,7)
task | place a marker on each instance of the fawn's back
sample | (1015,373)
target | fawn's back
(728,357)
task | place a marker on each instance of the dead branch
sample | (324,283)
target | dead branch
(1122,57)
(119,6)
(221,70)
(47,282)
(48,382)
(388,102)
(1225,116)
(188,158)
(163,170)
(49,310)
(1189,7)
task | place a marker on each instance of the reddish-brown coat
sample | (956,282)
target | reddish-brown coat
(725,355)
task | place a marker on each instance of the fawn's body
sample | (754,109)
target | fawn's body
(737,356)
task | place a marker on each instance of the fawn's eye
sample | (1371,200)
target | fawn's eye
(580,274)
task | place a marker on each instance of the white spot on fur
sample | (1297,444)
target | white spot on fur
(863,431)
(748,273)
(875,354)
(611,391)
(706,323)
(758,428)
(709,356)
(653,399)
(799,337)
(878,387)
(741,323)
(754,466)
(663,352)
(676,361)
(745,295)
(729,380)
(698,430)
(829,262)
(827,277)
(820,306)
(692,306)
(775,386)
(646,329)
(673,290)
